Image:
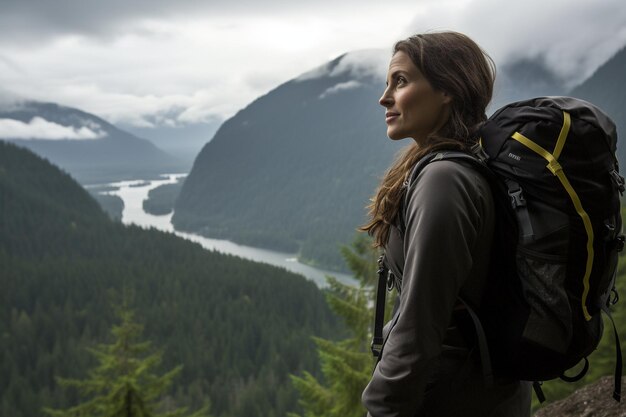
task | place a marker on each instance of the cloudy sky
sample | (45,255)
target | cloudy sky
(160,62)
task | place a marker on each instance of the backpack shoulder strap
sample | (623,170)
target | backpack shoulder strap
(463,157)
(383,277)
(466,157)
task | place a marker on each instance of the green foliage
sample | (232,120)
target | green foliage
(346,364)
(239,327)
(123,384)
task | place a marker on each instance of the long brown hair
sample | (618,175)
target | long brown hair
(455,64)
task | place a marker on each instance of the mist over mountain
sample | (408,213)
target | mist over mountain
(606,88)
(181,141)
(85,145)
(294,169)
(522,79)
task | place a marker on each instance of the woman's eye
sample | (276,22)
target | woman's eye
(401,80)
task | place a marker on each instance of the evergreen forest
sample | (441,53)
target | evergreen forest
(238,328)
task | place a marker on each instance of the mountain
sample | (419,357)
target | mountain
(606,88)
(85,145)
(239,328)
(294,169)
(183,141)
(523,79)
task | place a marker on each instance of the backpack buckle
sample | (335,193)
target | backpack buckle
(377,347)
(479,152)
(391,282)
(381,263)
(517,198)
(618,180)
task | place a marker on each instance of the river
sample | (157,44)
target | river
(134,192)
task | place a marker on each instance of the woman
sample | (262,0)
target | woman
(438,87)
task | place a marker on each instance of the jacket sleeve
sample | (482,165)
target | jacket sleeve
(443,219)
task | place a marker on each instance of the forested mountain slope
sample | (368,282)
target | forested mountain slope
(294,170)
(238,327)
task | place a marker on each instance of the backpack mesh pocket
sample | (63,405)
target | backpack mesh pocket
(549,321)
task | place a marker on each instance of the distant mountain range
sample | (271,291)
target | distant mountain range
(182,141)
(295,168)
(85,145)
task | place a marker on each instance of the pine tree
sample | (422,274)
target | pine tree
(123,384)
(346,364)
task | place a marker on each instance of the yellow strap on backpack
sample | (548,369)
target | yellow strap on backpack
(557,170)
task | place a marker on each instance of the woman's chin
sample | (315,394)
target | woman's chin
(395,135)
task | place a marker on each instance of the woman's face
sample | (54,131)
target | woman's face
(414,108)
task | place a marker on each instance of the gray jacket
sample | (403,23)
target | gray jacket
(427,367)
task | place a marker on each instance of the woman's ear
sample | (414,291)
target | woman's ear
(447,98)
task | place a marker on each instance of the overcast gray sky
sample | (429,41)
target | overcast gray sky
(176,62)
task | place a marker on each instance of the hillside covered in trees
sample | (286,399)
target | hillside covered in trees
(238,328)
(293,171)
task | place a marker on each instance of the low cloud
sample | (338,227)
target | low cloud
(133,62)
(10,101)
(572,38)
(339,87)
(39,128)
(364,63)
(317,72)
(360,64)
(36,21)
(130,63)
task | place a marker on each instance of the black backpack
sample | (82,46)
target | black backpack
(554,175)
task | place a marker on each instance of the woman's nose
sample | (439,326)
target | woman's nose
(386,100)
